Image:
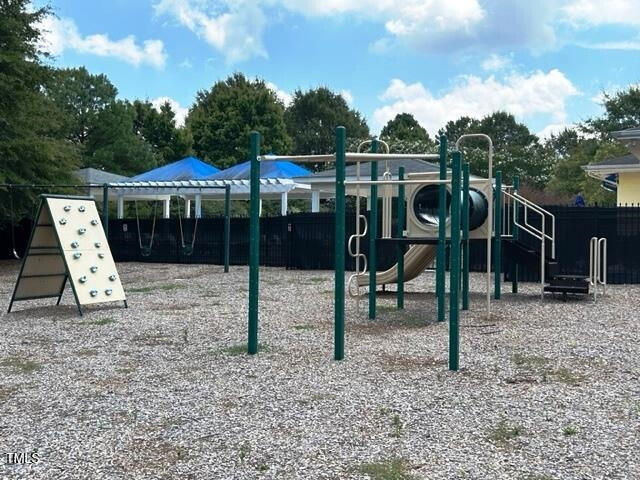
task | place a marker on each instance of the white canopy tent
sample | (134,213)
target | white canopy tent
(198,190)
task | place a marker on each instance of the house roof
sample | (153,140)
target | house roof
(628,134)
(189,168)
(626,160)
(268,169)
(410,166)
(95,176)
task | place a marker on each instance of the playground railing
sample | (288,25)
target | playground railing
(598,265)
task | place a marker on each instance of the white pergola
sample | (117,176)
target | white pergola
(199,190)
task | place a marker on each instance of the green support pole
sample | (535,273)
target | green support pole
(454,288)
(465,236)
(514,232)
(254,243)
(105,209)
(399,247)
(338,342)
(227,226)
(373,234)
(442,233)
(497,241)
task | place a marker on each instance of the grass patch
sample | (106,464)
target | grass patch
(317,279)
(386,308)
(504,432)
(239,349)
(392,469)
(564,375)
(165,287)
(529,360)
(304,327)
(21,365)
(569,431)
(401,362)
(102,321)
(151,339)
(397,425)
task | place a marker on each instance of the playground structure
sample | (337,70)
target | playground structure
(464,212)
(68,244)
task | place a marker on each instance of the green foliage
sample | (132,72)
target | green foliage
(32,147)
(113,145)
(391,469)
(516,150)
(406,128)
(81,96)
(622,110)
(158,128)
(222,118)
(312,117)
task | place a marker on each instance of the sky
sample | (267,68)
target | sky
(545,61)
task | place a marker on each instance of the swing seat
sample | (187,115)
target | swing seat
(145,251)
(187,250)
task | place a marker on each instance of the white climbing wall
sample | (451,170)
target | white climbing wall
(69,241)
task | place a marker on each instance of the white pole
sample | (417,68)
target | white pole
(198,205)
(187,209)
(260,208)
(166,207)
(120,207)
(283,203)
(315,201)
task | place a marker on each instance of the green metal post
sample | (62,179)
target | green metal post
(442,233)
(497,241)
(227,226)
(105,209)
(373,233)
(254,243)
(454,288)
(514,232)
(465,236)
(338,342)
(400,234)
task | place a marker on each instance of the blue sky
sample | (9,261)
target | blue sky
(545,61)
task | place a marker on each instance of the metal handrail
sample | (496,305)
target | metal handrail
(598,265)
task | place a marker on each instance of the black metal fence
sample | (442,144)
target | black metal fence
(306,241)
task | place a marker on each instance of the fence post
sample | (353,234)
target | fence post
(227,226)
(497,245)
(465,236)
(373,233)
(514,234)
(442,232)
(338,342)
(399,246)
(454,288)
(254,243)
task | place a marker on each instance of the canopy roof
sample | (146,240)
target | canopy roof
(627,163)
(189,168)
(268,169)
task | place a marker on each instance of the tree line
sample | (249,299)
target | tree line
(56,120)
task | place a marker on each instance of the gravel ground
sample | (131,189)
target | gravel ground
(163,390)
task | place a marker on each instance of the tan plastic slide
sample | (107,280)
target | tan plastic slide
(417,258)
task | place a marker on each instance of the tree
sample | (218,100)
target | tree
(312,117)
(113,144)
(405,127)
(516,150)
(82,96)
(622,110)
(32,148)
(158,128)
(221,119)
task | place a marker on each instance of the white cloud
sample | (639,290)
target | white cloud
(233,27)
(348,96)
(285,97)
(186,63)
(495,62)
(62,34)
(597,12)
(180,111)
(537,93)
(554,129)
(622,45)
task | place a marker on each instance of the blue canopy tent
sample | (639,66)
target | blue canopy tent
(271,170)
(268,169)
(189,168)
